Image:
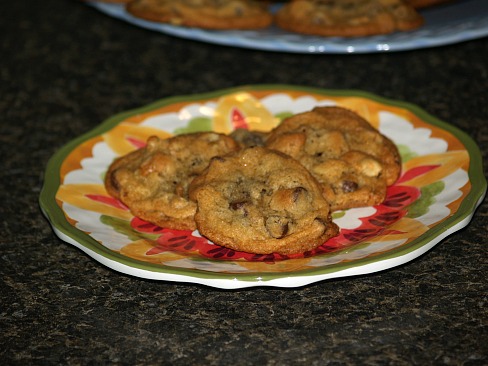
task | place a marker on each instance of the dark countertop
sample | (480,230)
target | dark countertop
(64,68)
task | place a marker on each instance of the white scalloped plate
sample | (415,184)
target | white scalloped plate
(444,24)
(441,185)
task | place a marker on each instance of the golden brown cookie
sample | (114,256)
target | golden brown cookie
(210,14)
(347,18)
(261,201)
(153,181)
(351,159)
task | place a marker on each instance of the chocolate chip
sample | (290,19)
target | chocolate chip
(349,186)
(239,205)
(253,140)
(321,220)
(196,161)
(297,193)
(277,226)
(217,158)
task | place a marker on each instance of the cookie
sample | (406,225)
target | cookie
(353,162)
(209,14)
(347,18)
(153,181)
(261,201)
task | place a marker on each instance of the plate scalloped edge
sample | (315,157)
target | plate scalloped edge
(65,231)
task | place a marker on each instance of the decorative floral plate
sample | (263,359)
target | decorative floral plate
(444,24)
(440,187)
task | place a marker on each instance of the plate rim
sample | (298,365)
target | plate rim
(64,230)
(394,42)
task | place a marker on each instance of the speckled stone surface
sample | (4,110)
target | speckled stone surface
(64,68)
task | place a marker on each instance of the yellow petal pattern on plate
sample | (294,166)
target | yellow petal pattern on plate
(78,195)
(369,111)
(448,163)
(139,248)
(405,228)
(121,139)
(255,115)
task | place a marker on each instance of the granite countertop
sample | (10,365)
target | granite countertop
(65,67)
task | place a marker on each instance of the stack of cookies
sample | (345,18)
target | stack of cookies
(343,18)
(260,192)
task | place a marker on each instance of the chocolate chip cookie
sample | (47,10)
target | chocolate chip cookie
(353,162)
(347,18)
(153,181)
(261,201)
(209,14)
